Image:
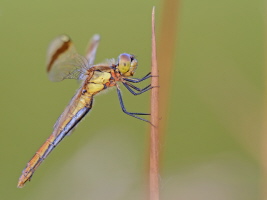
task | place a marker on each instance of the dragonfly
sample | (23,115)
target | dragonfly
(63,62)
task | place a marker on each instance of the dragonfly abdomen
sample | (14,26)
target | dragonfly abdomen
(77,114)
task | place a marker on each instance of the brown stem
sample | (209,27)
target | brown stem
(154,131)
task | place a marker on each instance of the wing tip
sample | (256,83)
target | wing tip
(96,37)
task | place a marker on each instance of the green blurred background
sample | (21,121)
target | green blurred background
(210,148)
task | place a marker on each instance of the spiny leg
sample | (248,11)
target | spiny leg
(137,88)
(130,113)
(137,80)
(129,86)
(123,107)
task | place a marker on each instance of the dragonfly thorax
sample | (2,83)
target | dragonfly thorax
(127,64)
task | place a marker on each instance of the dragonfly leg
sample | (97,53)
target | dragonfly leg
(129,86)
(137,88)
(130,113)
(137,80)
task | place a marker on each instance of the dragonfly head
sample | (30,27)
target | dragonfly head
(127,64)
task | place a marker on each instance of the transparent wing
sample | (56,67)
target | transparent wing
(63,61)
(91,52)
(91,49)
(67,114)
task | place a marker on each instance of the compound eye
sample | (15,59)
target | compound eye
(133,59)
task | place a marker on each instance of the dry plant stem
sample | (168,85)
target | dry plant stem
(154,131)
